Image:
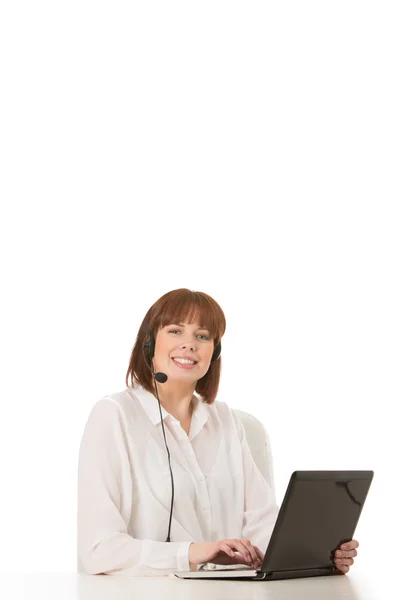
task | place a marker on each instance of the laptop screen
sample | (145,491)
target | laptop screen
(320,511)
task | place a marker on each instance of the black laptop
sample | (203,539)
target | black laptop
(319,512)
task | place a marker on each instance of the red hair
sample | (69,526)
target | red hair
(179,306)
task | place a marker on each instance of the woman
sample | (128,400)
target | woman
(166,480)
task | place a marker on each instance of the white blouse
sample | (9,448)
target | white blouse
(124,485)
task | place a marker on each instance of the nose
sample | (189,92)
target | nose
(188,344)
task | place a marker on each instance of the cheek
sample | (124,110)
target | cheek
(164,347)
(207,355)
(161,349)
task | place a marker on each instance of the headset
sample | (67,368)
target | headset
(148,352)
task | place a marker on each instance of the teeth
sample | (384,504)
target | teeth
(184,361)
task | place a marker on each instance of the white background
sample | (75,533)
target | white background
(249,150)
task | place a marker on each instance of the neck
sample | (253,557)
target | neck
(176,398)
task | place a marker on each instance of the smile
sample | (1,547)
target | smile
(184,363)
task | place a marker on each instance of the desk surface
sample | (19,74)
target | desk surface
(71,586)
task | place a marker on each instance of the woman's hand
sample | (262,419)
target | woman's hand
(222,552)
(344,556)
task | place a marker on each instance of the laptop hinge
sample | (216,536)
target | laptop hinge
(295,573)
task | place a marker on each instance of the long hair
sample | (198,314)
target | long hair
(179,306)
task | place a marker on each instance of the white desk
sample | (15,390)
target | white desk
(71,586)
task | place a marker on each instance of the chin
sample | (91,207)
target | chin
(185,376)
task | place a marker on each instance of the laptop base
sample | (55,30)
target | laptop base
(261,576)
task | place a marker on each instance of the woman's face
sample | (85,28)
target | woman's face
(183,351)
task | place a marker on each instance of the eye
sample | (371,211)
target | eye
(174,331)
(205,337)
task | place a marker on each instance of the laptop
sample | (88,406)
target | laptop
(319,512)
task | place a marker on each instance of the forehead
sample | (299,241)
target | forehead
(191,314)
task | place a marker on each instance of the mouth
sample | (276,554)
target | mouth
(184,363)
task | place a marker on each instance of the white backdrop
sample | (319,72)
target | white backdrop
(246,149)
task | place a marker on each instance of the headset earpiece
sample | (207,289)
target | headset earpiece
(217,352)
(149,344)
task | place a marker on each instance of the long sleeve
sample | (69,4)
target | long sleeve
(105,502)
(260,508)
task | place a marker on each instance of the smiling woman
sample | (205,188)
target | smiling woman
(178,315)
(142,443)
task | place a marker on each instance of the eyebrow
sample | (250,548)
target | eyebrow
(183,325)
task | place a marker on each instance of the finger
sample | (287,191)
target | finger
(346,553)
(244,551)
(343,568)
(350,545)
(227,549)
(247,554)
(343,561)
(247,544)
(235,544)
(260,554)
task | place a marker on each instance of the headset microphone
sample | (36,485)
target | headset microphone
(161,377)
